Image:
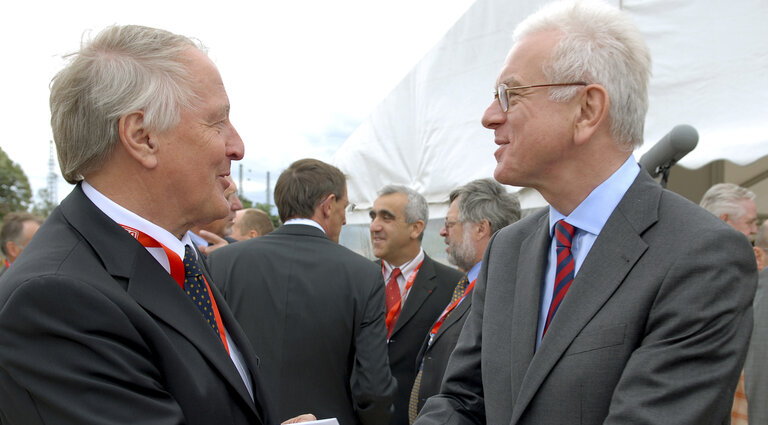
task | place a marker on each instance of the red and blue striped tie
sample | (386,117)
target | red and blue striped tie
(565,267)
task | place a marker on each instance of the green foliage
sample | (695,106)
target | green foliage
(43,206)
(15,192)
(247,203)
(268,209)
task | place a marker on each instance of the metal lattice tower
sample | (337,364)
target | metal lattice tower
(53,196)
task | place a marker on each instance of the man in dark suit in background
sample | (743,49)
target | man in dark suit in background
(417,289)
(313,309)
(621,303)
(107,318)
(18,229)
(477,210)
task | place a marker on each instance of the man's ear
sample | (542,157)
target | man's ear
(593,110)
(328,204)
(417,229)
(12,249)
(136,139)
(483,229)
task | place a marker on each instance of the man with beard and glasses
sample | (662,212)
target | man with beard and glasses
(477,210)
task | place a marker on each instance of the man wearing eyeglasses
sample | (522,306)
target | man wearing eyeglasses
(476,211)
(313,309)
(621,303)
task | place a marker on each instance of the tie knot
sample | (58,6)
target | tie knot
(564,233)
(395,273)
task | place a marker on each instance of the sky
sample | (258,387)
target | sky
(301,75)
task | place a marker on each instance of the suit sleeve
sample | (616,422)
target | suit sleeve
(689,361)
(76,358)
(461,395)
(373,386)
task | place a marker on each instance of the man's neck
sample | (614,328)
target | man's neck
(404,256)
(570,193)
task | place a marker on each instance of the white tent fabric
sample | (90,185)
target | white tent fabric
(710,70)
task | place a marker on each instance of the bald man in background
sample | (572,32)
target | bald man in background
(251,223)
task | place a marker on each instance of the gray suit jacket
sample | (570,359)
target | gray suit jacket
(756,366)
(653,329)
(314,311)
(94,331)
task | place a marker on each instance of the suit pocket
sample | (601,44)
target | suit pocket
(597,339)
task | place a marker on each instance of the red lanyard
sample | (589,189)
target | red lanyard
(448,310)
(394,312)
(178,273)
(5,261)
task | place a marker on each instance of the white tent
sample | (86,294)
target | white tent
(710,70)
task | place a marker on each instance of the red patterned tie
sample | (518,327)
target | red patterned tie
(392,294)
(565,267)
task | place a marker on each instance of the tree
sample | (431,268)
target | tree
(15,192)
(43,205)
(245,201)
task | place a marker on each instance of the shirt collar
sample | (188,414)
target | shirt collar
(591,215)
(121,215)
(474,271)
(408,267)
(305,221)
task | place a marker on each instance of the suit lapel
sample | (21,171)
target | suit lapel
(531,265)
(150,285)
(423,286)
(616,250)
(455,315)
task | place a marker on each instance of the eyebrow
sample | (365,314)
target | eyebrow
(384,211)
(510,82)
(220,113)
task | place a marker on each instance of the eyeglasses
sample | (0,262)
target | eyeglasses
(502,91)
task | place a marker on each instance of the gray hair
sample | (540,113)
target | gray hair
(599,44)
(486,199)
(725,198)
(416,209)
(124,69)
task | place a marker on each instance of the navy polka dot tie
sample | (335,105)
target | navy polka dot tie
(194,286)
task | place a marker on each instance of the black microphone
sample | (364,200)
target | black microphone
(670,149)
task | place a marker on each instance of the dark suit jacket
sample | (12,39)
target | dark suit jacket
(94,331)
(436,356)
(314,311)
(653,329)
(430,294)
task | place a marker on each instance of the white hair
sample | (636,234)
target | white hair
(599,45)
(726,198)
(124,69)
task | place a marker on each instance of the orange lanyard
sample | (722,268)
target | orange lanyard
(394,312)
(448,310)
(178,273)
(5,262)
